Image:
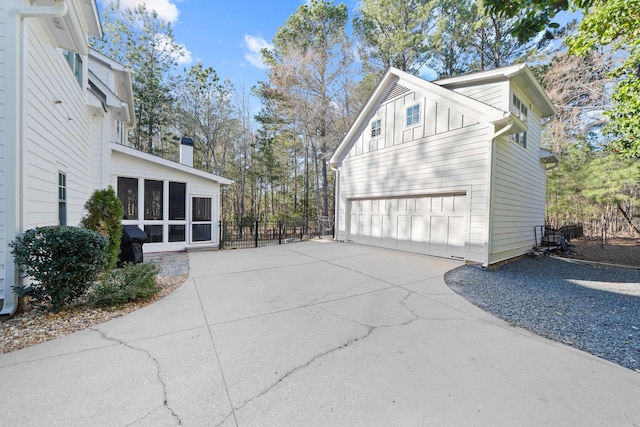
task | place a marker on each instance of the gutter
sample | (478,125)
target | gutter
(16,94)
(490,178)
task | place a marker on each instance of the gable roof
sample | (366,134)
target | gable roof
(169,164)
(119,95)
(520,73)
(438,93)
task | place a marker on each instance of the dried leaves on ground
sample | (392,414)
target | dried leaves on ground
(32,325)
(618,250)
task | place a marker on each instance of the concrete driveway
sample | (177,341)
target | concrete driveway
(312,334)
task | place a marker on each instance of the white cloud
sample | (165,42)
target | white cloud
(254,45)
(166,9)
(182,55)
(186,57)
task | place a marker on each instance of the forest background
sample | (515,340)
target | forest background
(279,158)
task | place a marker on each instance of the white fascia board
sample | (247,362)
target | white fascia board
(521,73)
(385,83)
(463,103)
(169,164)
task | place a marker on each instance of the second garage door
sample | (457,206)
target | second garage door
(433,225)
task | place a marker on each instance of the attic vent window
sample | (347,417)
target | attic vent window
(376,128)
(395,91)
(413,115)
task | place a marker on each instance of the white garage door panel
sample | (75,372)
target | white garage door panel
(432,225)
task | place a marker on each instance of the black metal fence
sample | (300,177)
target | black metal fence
(256,234)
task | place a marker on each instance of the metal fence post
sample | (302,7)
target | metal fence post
(220,235)
(280,232)
(256,236)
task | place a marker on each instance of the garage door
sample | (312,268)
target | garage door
(433,225)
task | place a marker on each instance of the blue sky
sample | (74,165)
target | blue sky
(226,35)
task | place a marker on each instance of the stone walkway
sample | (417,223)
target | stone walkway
(170,263)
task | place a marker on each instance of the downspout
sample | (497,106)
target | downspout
(15,134)
(336,217)
(490,178)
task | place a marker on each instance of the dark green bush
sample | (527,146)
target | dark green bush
(104,212)
(129,283)
(63,262)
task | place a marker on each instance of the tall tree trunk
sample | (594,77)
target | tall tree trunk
(626,216)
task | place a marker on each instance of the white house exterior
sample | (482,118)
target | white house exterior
(64,110)
(45,149)
(176,205)
(451,168)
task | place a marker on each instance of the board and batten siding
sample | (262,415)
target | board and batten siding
(519,193)
(57,136)
(445,163)
(3,147)
(435,119)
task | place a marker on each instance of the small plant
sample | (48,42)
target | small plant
(129,283)
(104,212)
(63,262)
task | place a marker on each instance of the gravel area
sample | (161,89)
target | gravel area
(593,309)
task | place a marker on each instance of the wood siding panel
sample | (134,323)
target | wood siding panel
(494,94)
(57,135)
(519,194)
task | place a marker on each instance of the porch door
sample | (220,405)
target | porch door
(201,219)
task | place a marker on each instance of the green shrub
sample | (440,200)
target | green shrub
(63,262)
(129,283)
(104,212)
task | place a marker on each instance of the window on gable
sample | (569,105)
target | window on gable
(413,115)
(376,128)
(62,198)
(519,109)
(75,62)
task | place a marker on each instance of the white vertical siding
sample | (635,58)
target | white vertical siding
(519,193)
(434,119)
(57,136)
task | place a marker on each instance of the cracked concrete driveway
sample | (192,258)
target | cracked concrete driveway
(313,334)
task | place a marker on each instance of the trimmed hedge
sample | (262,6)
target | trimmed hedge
(63,262)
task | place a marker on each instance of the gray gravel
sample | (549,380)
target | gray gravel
(593,309)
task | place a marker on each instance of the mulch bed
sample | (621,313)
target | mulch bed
(31,325)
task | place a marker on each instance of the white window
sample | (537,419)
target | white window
(519,109)
(413,115)
(376,128)
(75,62)
(62,198)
